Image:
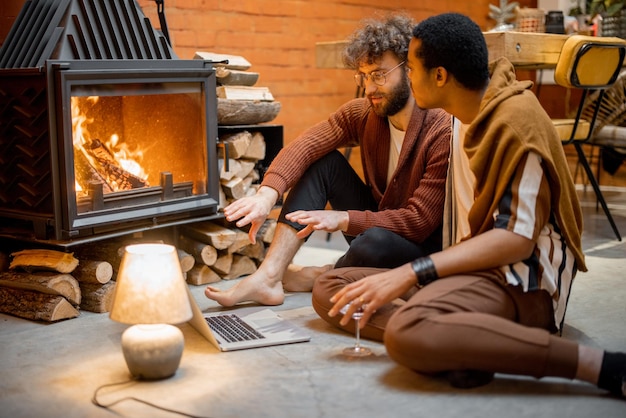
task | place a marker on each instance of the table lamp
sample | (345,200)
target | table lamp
(151,294)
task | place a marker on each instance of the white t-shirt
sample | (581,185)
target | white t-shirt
(397,138)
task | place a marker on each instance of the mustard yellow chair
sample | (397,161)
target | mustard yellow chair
(591,64)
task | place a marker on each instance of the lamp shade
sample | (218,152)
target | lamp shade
(150,287)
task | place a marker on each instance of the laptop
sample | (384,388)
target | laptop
(248,327)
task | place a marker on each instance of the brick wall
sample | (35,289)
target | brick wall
(9,9)
(278,38)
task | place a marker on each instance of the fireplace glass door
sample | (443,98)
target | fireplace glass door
(137,145)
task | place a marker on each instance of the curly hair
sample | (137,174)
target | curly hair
(455,42)
(377,36)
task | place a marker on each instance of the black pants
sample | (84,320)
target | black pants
(332,180)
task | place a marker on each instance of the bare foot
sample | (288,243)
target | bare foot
(254,288)
(301,278)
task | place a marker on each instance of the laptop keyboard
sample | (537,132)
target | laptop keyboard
(232,328)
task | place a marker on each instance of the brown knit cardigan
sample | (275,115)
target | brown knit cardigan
(412,204)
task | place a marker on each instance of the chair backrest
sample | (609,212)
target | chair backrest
(589,62)
(613,107)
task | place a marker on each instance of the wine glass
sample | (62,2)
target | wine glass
(357,350)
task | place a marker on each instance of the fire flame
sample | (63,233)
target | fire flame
(113,160)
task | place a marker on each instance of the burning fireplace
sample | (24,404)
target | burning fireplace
(103,130)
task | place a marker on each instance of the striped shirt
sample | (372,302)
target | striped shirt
(524,209)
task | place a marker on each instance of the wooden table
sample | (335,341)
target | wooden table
(526,50)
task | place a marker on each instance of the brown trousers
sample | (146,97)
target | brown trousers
(462,323)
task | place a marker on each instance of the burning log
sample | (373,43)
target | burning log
(86,174)
(36,306)
(116,177)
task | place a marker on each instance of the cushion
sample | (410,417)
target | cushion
(597,66)
(564,128)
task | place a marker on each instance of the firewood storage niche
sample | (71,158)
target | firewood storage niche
(135,144)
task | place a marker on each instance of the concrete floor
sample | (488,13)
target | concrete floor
(52,370)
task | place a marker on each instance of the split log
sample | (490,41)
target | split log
(245,168)
(35,305)
(39,259)
(255,251)
(251,191)
(256,149)
(246,112)
(61,284)
(97,272)
(223,264)
(241,240)
(223,201)
(201,252)
(234,188)
(237,143)
(233,167)
(111,250)
(186,260)
(231,62)
(226,76)
(97,298)
(266,231)
(210,233)
(241,266)
(200,275)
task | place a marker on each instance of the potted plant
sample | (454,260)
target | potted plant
(576,10)
(611,13)
(606,7)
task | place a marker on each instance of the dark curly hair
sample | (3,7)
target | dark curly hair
(377,36)
(455,42)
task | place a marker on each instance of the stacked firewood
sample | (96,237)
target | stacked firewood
(238,156)
(50,285)
(223,253)
(239,100)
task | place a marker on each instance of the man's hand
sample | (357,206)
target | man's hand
(319,220)
(252,210)
(372,292)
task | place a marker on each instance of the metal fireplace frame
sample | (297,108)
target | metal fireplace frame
(50,42)
(155,206)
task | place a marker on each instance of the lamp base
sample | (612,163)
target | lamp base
(152,351)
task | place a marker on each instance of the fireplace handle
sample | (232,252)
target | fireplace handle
(224,145)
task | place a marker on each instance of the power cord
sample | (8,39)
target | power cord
(96,402)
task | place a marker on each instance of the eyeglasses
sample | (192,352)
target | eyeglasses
(378,77)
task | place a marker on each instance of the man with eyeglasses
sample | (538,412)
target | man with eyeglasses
(392,217)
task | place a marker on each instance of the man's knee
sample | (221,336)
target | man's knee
(367,249)
(408,340)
